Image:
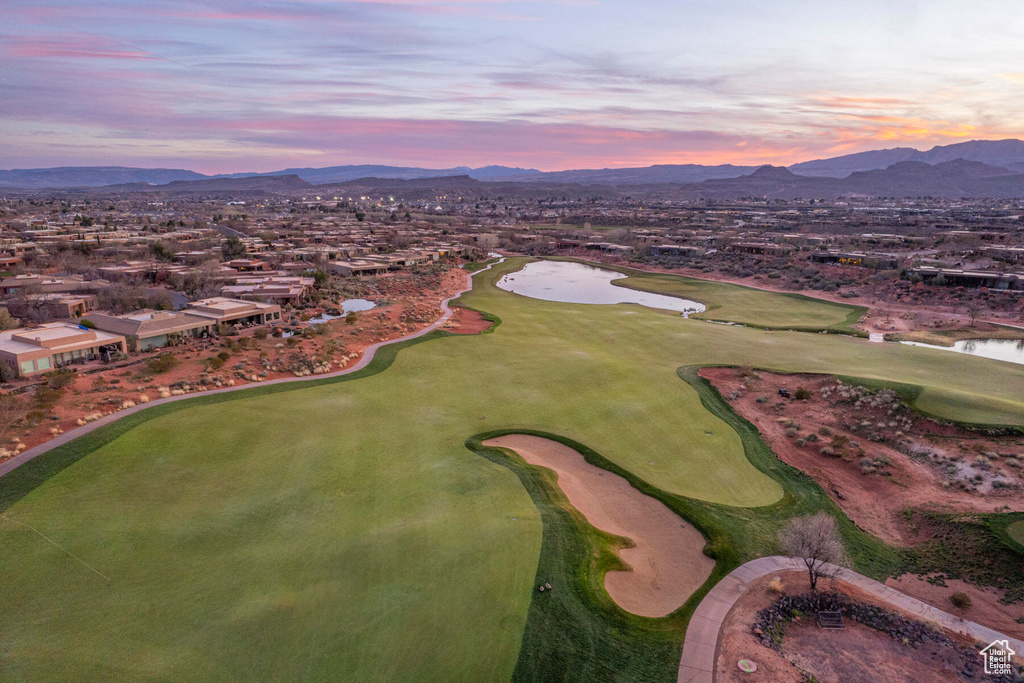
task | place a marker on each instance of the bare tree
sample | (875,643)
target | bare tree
(974,310)
(12,410)
(815,540)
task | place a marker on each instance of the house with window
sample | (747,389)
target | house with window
(154,329)
(235,311)
(32,351)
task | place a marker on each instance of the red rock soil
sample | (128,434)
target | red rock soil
(98,393)
(467,321)
(876,501)
(854,655)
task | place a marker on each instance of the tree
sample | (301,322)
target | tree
(162,252)
(12,410)
(232,248)
(973,310)
(7,321)
(815,540)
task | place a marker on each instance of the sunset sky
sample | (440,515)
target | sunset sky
(236,85)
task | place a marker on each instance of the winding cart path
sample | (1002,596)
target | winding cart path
(700,647)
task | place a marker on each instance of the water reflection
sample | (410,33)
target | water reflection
(1009,350)
(577,283)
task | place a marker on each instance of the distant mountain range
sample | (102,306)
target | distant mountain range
(949,179)
(982,168)
(102,176)
(1008,154)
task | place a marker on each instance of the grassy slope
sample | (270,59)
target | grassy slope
(289,533)
(1016,531)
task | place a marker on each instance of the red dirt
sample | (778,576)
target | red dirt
(856,654)
(985,608)
(467,321)
(875,501)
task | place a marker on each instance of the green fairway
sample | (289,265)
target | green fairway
(739,304)
(343,531)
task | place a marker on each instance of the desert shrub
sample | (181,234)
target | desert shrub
(802,394)
(161,363)
(7,373)
(215,362)
(801,442)
(839,441)
(261,333)
(58,379)
(825,431)
(960,600)
(775,585)
(351,318)
(791,433)
(813,438)
(828,451)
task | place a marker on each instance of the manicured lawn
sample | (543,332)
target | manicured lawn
(343,531)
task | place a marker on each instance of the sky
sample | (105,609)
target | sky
(251,85)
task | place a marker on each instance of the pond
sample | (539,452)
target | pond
(1009,350)
(577,283)
(347,306)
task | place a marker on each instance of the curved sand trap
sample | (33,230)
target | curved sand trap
(668,562)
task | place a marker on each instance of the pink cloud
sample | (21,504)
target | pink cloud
(74,46)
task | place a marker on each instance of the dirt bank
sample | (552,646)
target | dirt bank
(858,653)
(467,321)
(877,485)
(985,607)
(668,560)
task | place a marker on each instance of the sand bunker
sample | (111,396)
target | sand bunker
(668,562)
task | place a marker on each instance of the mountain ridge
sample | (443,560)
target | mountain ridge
(1003,154)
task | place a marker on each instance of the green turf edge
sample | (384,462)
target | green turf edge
(910,393)
(566,631)
(1016,536)
(22,480)
(477,266)
(844,327)
(489,317)
(576,632)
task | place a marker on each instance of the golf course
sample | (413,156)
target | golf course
(341,529)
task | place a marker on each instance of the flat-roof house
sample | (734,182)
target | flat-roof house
(41,349)
(235,311)
(154,329)
(357,267)
(288,289)
(247,265)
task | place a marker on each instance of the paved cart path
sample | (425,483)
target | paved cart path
(365,360)
(700,648)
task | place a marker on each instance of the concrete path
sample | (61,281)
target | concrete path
(365,360)
(700,648)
